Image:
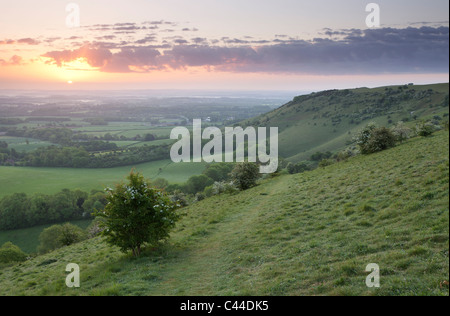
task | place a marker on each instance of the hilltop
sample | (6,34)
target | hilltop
(308,234)
(327,120)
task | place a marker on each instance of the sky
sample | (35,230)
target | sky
(221,44)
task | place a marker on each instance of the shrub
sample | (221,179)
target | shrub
(245,175)
(208,191)
(160,183)
(11,253)
(94,229)
(224,187)
(199,197)
(58,236)
(373,139)
(326,162)
(179,198)
(344,155)
(296,168)
(136,215)
(425,129)
(401,132)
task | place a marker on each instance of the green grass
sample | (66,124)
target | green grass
(28,238)
(326,121)
(307,234)
(20,143)
(51,180)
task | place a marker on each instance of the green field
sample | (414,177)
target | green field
(20,143)
(28,238)
(52,180)
(307,234)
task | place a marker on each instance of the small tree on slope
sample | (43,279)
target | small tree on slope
(137,214)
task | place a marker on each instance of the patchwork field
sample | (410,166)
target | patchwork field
(52,180)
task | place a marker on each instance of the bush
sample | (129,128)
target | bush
(179,198)
(94,229)
(160,183)
(199,197)
(136,215)
(11,253)
(245,175)
(344,155)
(58,236)
(425,129)
(296,168)
(373,139)
(224,187)
(401,132)
(325,163)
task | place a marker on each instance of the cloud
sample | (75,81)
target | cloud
(28,41)
(354,51)
(13,61)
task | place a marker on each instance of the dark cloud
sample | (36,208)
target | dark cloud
(371,51)
(147,39)
(27,41)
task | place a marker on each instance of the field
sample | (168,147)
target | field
(52,180)
(20,144)
(28,238)
(307,234)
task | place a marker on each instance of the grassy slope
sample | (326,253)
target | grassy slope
(308,234)
(51,180)
(306,125)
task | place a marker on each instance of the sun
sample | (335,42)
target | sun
(70,82)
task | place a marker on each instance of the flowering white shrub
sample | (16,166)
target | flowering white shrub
(137,214)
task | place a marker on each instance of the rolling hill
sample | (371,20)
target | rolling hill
(307,234)
(327,120)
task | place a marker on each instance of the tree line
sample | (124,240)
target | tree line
(22,211)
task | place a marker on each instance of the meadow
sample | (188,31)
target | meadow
(28,238)
(307,234)
(32,180)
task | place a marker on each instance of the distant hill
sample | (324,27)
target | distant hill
(307,234)
(326,121)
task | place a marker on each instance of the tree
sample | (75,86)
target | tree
(245,175)
(197,184)
(137,214)
(149,137)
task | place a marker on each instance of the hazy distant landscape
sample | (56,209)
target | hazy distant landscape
(328,120)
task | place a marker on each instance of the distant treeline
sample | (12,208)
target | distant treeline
(67,137)
(79,150)
(16,121)
(79,157)
(21,211)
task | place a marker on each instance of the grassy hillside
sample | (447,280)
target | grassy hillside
(307,234)
(325,121)
(52,180)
